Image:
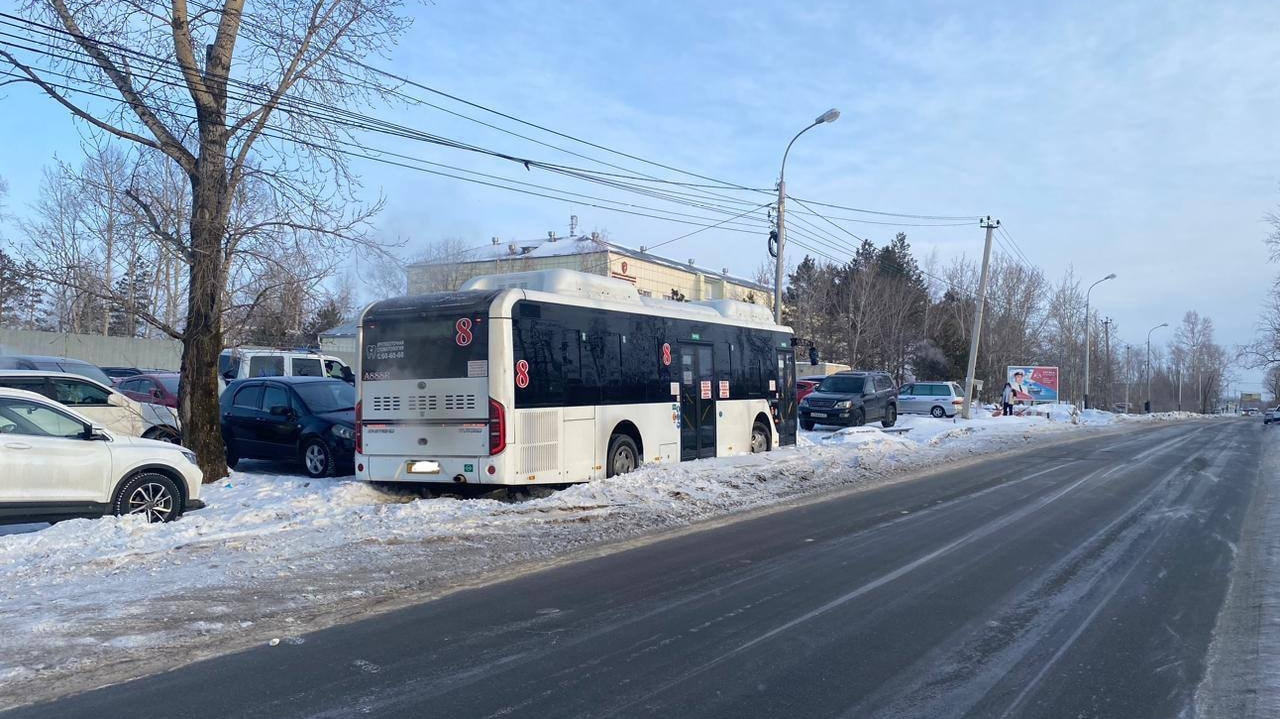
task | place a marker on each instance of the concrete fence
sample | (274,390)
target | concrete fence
(95,349)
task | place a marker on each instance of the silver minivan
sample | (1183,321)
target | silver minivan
(939,399)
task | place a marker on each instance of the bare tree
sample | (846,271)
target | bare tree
(261,117)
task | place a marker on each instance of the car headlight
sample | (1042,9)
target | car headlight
(191,456)
(343,431)
(844,404)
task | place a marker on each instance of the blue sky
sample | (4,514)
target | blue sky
(1127,137)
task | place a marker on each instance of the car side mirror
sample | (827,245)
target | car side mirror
(115,399)
(94,433)
(281,411)
(157,394)
(228,375)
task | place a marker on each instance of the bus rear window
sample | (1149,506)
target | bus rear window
(426,348)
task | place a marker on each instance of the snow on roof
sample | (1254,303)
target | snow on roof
(581,245)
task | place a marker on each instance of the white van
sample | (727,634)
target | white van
(103,405)
(236,364)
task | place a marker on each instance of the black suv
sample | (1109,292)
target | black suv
(851,399)
(310,418)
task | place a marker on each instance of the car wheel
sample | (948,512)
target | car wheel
(317,460)
(151,494)
(859,418)
(806,425)
(759,438)
(623,455)
(232,458)
(163,434)
(890,416)
(938,412)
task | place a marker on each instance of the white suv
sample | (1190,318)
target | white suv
(56,464)
(103,405)
(236,364)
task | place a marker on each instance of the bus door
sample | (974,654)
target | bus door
(697,402)
(786,397)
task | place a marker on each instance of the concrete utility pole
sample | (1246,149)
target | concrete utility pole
(1111,276)
(990,227)
(1106,333)
(779,267)
(1128,376)
(1153,329)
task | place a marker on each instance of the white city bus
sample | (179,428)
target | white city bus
(558,376)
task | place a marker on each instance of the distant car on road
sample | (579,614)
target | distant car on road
(58,464)
(99,402)
(937,399)
(155,388)
(851,399)
(1271,415)
(55,364)
(312,419)
(805,385)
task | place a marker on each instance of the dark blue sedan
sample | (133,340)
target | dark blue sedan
(310,419)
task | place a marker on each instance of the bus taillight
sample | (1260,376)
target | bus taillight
(359,430)
(497,427)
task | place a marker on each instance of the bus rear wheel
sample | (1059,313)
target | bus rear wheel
(623,455)
(759,438)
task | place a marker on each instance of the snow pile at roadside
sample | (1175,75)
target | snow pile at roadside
(276,555)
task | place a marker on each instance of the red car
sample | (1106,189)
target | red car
(156,388)
(805,385)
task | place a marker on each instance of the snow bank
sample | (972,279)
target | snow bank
(277,555)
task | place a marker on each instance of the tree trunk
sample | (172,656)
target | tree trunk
(202,337)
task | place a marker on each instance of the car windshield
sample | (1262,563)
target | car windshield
(328,396)
(842,385)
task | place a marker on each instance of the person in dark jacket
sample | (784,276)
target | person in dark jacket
(1006,399)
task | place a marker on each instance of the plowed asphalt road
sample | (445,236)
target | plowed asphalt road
(1080,580)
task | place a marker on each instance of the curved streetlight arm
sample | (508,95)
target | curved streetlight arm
(783,172)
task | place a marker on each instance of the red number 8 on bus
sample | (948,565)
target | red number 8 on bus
(463,326)
(522,374)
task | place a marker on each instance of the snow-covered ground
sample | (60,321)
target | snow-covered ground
(276,555)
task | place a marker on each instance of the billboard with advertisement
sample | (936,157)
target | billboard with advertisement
(1250,397)
(1032,383)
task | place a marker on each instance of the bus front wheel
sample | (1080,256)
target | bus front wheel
(623,455)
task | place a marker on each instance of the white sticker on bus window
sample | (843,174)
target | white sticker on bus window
(688,376)
(773,385)
(477,368)
(675,389)
(704,389)
(724,389)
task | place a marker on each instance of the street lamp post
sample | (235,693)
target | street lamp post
(829,116)
(1153,329)
(1111,276)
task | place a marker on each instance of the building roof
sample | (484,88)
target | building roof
(346,329)
(582,245)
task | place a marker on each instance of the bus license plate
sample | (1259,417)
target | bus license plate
(818,414)
(424,466)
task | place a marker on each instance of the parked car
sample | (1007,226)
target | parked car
(805,385)
(1271,415)
(236,364)
(311,419)
(155,387)
(99,402)
(55,364)
(938,399)
(58,464)
(118,373)
(851,399)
